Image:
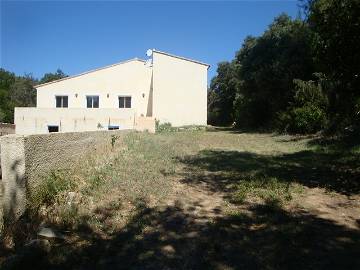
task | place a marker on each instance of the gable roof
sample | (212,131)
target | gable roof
(120,63)
(182,58)
(90,71)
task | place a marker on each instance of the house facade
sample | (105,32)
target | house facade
(127,95)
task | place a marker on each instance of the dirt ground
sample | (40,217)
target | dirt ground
(197,224)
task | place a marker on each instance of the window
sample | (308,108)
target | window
(92,101)
(53,129)
(124,102)
(113,127)
(61,101)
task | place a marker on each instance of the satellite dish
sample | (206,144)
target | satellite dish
(149,52)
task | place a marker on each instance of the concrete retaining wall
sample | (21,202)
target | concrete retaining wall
(26,158)
(6,128)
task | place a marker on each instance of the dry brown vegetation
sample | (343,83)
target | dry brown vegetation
(216,199)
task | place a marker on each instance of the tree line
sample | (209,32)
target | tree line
(300,76)
(18,91)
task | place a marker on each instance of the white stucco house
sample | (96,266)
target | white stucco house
(125,95)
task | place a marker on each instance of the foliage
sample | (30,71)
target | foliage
(164,127)
(48,77)
(19,91)
(304,120)
(221,95)
(268,64)
(15,91)
(260,87)
(114,138)
(257,84)
(307,114)
(268,189)
(336,24)
(167,127)
(53,184)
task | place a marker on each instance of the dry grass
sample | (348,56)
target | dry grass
(198,200)
(145,167)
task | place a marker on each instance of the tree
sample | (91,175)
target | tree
(267,67)
(6,80)
(22,92)
(15,91)
(336,24)
(222,94)
(48,77)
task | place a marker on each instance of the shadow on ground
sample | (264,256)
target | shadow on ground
(174,238)
(334,171)
(261,237)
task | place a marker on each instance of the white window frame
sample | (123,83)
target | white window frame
(62,101)
(125,96)
(92,102)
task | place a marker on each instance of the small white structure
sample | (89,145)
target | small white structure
(125,95)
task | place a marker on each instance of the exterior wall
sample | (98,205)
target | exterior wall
(131,78)
(145,124)
(36,120)
(26,159)
(179,90)
(13,199)
(6,129)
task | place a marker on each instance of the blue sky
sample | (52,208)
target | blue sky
(39,37)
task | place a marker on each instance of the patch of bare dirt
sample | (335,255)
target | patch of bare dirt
(341,209)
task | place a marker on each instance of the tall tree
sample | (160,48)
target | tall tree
(222,94)
(6,80)
(267,67)
(336,24)
(48,77)
(15,91)
(22,92)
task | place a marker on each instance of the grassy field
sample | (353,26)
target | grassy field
(217,199)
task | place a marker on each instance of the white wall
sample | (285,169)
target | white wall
(37,120)
(179,90)
(128,78)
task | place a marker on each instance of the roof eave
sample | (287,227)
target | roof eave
(90,71)
(182,58)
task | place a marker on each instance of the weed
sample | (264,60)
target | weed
(167,127)
(114,138)
(46,192)
(269,189)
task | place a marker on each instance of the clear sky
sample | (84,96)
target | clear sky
(39,37)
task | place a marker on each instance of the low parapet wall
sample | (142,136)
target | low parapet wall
(38,120)
(6,128)
(26,158)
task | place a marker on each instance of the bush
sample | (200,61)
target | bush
(167,127)
(304,120)
(307,114)
(45,193)
(164,127)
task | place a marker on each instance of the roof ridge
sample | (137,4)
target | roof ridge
(90,71)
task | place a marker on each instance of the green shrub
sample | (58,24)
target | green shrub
(308,119)
(304,120)
(164,127)
(50,186)
(307,114)
(114,138)
(167,127)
